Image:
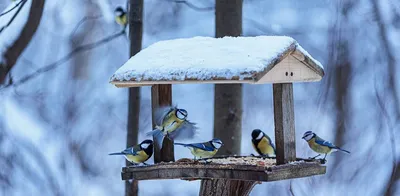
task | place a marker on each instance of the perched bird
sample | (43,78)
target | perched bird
(172,123)
(203,150)
(319,145)
(138,153)
(121,17)
(262,143)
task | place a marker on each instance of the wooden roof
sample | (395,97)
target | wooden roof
(254,60)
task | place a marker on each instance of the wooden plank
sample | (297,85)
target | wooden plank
(308,62)
(284,123)
(196,171)
(124,84)
(161,95)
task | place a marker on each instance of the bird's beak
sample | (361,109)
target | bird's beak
(303,137)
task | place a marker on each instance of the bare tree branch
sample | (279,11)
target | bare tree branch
(16,5)
(392,90)
(390,56)
(194,7)
(12,53)
(13,17)
(64,59)
(84,19)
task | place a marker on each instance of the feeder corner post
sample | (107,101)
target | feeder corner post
(161,95)
(284,123)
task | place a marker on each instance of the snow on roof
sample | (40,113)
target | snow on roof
(210,59)
(10,33)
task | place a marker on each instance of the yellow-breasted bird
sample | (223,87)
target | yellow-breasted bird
(203,150)
(121,17)
(262,143)
(319,145)
(172,122)
(138,153)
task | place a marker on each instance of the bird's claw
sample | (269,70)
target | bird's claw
(323,161)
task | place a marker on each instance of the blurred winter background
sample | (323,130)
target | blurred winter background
(57,127)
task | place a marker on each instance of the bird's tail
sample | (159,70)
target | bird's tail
(343,150)
(116,153)
(180,144)
(158,136)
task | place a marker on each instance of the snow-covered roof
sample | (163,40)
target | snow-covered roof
(261,59)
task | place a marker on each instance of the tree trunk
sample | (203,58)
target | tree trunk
(13,52)
(341,73)
(135,35)
(222,187)
(227,105)
(228,97)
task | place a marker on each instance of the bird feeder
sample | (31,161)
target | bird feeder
(279,60)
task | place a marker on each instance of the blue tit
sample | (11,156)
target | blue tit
(121,16)
(319,145)
(138,153)
(172,123)
(203,150)
(262,143)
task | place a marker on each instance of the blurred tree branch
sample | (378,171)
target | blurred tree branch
(194,7)
(15,6)
(63,59)
(13,52)
(393,91)
(84,19)
(389,56)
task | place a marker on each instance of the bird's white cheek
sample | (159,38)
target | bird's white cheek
(260,135)
(144,146)
(217,145)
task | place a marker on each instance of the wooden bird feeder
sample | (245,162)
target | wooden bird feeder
(279,60)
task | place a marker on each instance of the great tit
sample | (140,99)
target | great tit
(138,153)
(173,124)
(319,145)
(203,150)
(262,143)
(121,17)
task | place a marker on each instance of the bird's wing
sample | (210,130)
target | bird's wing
(187,130)
(323,142)
(270,142)
(132,150)
(161,112)
(201,146)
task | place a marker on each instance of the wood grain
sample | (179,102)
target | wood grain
(223,187)
(196,171)
(284,123)
(161,95)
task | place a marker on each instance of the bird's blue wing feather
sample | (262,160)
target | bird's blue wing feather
(131,150)
(323,142)
(200,146)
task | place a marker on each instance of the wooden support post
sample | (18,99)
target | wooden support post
(161,95)
(284,123)
(223,187)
